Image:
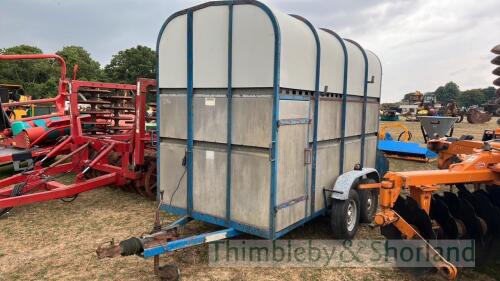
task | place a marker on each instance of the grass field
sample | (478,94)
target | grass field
(57,240)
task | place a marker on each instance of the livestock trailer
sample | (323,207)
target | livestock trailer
(264,122)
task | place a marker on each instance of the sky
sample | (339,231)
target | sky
(422,43)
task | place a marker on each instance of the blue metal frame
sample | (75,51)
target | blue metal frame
(189,150)
(264,233)
(380,91)
(316,111)
(229,111)
(190,241)
(365,100)
(233,226)
(180,222)
(344,99)
(276,98)
(274,134)
(158,119)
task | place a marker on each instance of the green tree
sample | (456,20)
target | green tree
(472,97)
(88,69)
(38,77)
(447,93)
(490,92)
(130,64)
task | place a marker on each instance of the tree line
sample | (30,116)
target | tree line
(40,77)
(451,92)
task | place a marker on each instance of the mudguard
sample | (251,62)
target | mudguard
(345,181)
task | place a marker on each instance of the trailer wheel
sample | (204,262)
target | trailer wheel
(16,191)
(344,219)
(368,201)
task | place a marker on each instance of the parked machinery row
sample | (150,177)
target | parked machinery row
(99,139)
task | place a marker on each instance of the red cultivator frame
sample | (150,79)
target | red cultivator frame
(109,146)
(34,142)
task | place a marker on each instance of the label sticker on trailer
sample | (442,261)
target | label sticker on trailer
(209,155)
(210,101)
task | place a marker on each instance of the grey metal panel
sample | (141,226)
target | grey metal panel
(327,169)
(353,153)
(252,116)
(210,118)
(370,151)
(250,182)
(330,118)
(353,117)
(291,109)
(171,170)
(252,120)
(209,113)
(209,179)
(291,214)
(291,173)
(173,120)
(372,115)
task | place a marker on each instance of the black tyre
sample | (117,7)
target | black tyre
(16,191)
(344,218)
(368,201)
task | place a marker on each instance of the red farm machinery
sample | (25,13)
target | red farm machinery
(27,138)
(108,142)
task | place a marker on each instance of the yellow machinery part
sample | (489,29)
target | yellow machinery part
(405,133)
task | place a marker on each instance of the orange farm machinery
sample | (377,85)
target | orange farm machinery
(460,201)
(108,143)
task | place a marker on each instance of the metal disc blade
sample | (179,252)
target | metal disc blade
(496,71)
(441,214)
(494,195)
(496,60)
(487,211)
(496,49)
(411,212)
(496,82)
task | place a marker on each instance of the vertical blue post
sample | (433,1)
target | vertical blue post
(158,119)
(365,101)
(189,151)
(316,112)
(229,112)
(344,100)
(344,109)
(275,118)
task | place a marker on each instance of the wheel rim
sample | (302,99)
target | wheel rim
(369,201)
(351,215)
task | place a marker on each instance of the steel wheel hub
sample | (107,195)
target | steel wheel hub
(351,215)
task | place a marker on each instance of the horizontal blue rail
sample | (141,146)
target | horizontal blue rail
(191,241)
